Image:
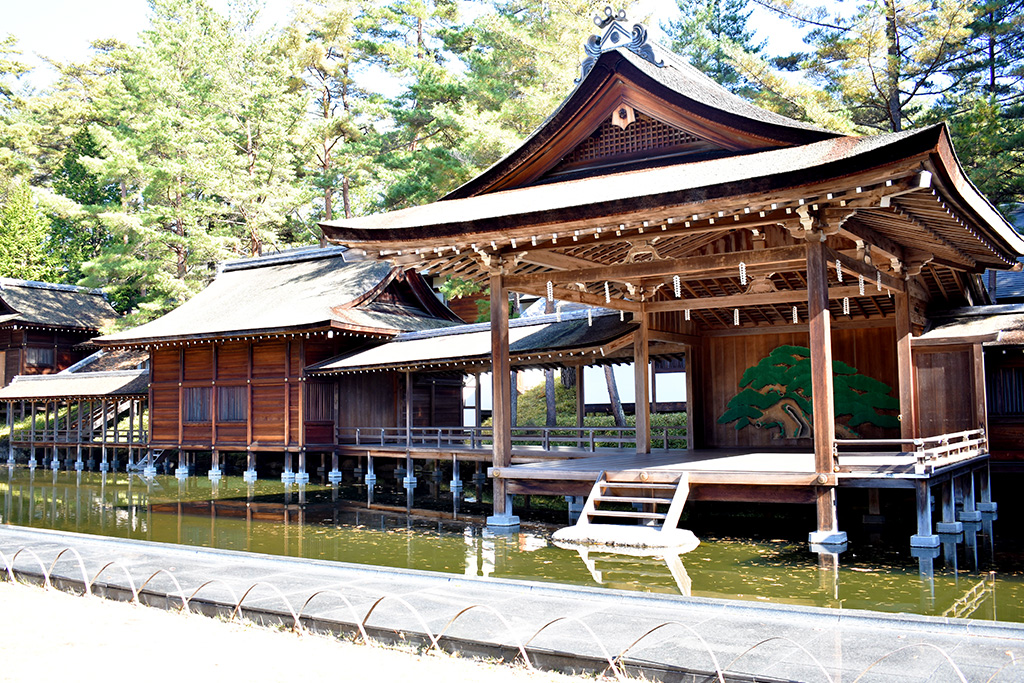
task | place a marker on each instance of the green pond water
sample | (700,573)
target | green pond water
(973,580)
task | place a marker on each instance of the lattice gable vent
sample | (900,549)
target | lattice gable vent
(629,135)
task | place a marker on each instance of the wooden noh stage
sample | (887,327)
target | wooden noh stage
(793,266)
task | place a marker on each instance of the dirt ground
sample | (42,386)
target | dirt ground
(47,635)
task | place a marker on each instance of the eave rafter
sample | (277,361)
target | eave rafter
(746,212)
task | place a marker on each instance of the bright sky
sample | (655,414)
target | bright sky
(63,29)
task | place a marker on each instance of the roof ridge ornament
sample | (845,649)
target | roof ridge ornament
(615,36)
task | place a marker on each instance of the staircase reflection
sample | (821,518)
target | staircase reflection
(624,567)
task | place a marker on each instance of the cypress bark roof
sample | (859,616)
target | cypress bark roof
(43,303)
(533,342)
(315,289)
(120,383)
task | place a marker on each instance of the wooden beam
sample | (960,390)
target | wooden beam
(739,300)
(501,397)
(822,393)
(641,379)
(905,368)
(551,259)
(576,296)
(854,231)
(782,257)
(869,272)
(673,337)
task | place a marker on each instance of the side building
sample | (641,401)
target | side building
(44,327)
(227,368)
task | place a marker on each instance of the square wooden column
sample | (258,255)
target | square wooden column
(822,399)
(905,368)
(641,383)
(501,402)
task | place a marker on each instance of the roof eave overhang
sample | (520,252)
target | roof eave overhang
(913,148)
(235,335)
(951,179)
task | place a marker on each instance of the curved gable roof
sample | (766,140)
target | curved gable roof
(676,94)
(43,303)
(312,290)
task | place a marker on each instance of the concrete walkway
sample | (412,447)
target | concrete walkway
(696,637)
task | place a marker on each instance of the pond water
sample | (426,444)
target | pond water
(279,519)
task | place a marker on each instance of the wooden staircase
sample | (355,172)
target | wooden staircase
(648,502)
(657,498)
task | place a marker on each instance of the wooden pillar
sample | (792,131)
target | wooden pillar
(905,368)
(925,537)
(822,398)
(690,367)
(641,384)
(581,399)
(10,433)
(501,398)
(980,400)
(408,408)
(477,396)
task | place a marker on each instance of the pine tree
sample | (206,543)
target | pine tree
(985,108)
(886,60)
(702,33)
(417,159)
(15,150)
(23,236)
(325,39)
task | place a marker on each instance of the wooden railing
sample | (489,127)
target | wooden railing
(928,451)
(584,438)
(73,437)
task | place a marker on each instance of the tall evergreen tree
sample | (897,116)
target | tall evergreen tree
(325,39)
(15,150)
(702,33)
(985,107)
(888,58)
(417,161)
(23,235)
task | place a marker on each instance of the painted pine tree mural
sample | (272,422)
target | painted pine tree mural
(776,394)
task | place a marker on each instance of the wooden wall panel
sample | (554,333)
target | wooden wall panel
(196,433)
(231,434)
(320,349)
(164,413)
(367,400)
(871,351)
(164,365)
(945,395)
(294,414)
(232,361)
(12,363)
(268,359)
(268,413)
(319,434)
(199,363)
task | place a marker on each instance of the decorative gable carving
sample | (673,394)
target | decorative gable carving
(616,35)
(641,137)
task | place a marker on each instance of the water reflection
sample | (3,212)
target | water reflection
(313,521)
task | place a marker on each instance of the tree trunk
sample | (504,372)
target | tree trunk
(613,396)
(892,81)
